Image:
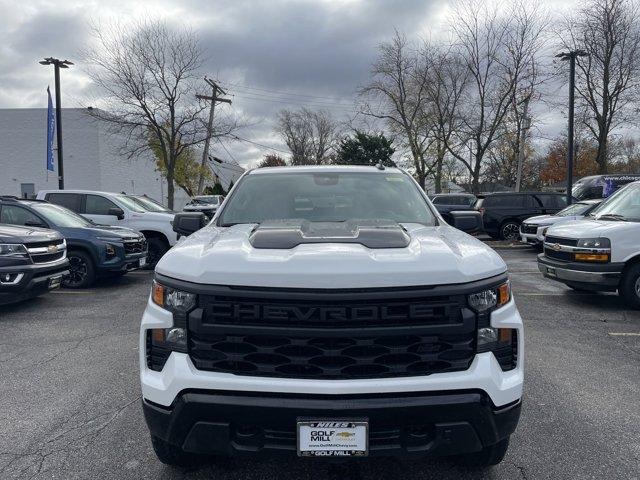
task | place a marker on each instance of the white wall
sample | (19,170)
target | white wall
(91,159)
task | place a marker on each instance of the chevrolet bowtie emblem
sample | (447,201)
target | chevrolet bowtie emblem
(556,246)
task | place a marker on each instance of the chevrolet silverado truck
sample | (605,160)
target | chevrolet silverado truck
(330,312)
(600,252)
(32,262)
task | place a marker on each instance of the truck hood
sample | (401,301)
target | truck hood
(542,220)
(104,231)
(434,256)
(16,234)
(593,229)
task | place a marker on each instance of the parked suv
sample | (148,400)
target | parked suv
(533,230)
(446,203)
(601,252)
(92,251)
(502,213)
(330,311)
(104,208)
(32,262)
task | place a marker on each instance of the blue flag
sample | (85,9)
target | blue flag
(51,128)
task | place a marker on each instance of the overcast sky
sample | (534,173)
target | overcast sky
(270,54)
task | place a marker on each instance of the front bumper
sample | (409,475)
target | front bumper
(128,263)
(241,424)
(34,280)
(604,277)
(531,238)
(179,374)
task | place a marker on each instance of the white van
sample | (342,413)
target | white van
(106,208)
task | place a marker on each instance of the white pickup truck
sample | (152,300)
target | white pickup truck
(601,252)
(118,209)
(330,311)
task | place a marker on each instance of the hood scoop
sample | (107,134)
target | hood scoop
(287,234)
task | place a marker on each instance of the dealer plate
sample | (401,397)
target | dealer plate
(551,271)
(54,282)
(333,438)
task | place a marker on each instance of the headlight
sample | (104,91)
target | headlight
(13,250)
(594,243)
(490,299)
(172,299)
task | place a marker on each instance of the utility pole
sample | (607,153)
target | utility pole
(524,126)
(571,57)
(57,65)
(214,98)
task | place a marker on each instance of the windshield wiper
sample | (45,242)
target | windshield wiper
(612,216)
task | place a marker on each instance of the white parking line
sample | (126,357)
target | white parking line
(73,292)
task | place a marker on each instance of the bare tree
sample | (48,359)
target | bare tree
(607,81)
(310,135)
(499,51)
(448,79)
(397,94)
(147,76)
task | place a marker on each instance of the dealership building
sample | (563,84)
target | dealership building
(91,157)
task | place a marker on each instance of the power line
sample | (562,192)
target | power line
(258,144)
(279,92)
(249,96)
(228,152)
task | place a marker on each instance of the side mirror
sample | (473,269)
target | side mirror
(116,212)
(469,221)
(188,222)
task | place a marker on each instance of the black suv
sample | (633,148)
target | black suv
(446,203)
(502,213)
(93,250)
(32,261)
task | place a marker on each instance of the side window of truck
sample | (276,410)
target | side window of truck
(72,201)
(98,205)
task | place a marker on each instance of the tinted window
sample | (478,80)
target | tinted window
(73,201)
(546,201)
(18,216)
(504,201)
(97,205)
(439,201)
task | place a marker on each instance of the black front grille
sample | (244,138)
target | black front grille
(527,228)
(325,336)
(131,248)
(558,255)
(571,242)
(44,244)
(47,257)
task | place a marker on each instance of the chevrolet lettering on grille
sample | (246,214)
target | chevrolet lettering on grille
(246,311)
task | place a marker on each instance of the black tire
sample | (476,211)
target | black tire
(510,230)
(157,248)
(488,456)
(175,456)
(82,273)
(630,285)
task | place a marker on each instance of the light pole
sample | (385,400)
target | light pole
(524,126)
(57,65)
(571,57)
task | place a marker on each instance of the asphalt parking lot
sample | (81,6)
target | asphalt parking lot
(70,398)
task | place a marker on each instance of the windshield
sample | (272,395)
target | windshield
(130,204)
(149,204)
(60,216)
(575,209)
(206,200)
(326,197)
(622,205)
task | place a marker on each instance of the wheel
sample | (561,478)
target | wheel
(488,456)
(82,273)
(630,286)
(157,248)
(510,230)
(174,456)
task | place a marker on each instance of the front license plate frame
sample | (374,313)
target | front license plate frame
(333,437)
